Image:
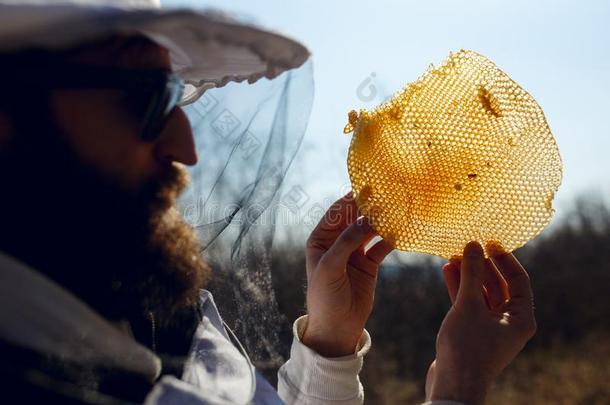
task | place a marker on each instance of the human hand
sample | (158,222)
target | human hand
(489,323)
(341,279)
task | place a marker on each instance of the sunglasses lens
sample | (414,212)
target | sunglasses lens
(173,93)
(161,105)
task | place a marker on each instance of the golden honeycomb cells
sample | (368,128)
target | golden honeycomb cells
(464,153)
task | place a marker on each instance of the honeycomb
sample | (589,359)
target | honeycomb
(463,153)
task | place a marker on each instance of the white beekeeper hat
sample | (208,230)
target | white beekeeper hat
(207,49)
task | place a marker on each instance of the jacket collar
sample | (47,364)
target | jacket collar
(38,314)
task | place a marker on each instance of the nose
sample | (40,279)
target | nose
(176,143)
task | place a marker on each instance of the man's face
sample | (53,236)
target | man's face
(91,204)
(102,132)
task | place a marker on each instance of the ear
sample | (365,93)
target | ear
(6,128)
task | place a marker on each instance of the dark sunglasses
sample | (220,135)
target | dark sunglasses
(149,95)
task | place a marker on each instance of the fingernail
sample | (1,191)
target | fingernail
(473,249)
(449,267)
(495,249)
(364,225)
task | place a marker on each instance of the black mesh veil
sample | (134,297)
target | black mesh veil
(246,136)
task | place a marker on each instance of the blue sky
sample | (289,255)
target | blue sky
(558,51)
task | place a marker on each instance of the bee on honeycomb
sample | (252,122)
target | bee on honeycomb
(463,153)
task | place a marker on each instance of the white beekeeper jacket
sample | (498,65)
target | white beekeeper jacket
(40,315)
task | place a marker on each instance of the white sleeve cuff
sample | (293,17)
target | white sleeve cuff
(309,378)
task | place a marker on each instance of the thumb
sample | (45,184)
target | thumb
(337,256)
(471,276)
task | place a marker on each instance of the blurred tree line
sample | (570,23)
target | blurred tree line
(565,363)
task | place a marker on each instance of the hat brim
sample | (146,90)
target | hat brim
(207,49)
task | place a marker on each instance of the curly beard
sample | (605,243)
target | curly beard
(125,254)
